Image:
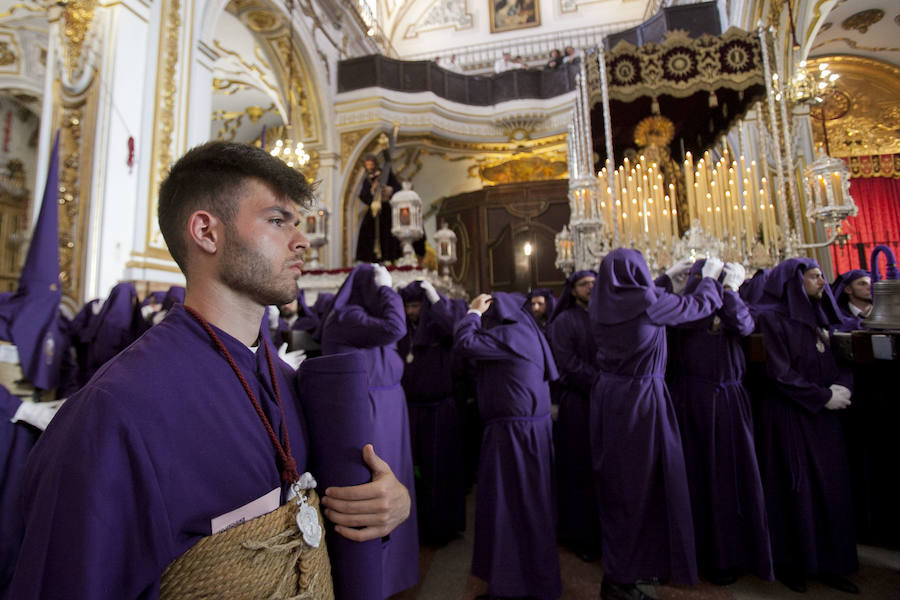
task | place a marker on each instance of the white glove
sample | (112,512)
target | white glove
(158,317)
(840,397)
(146,311)
(712,268)
(430,292)
(273,313)
(679,269)
(37,414)
(734,275)
(382,277)
(293,358)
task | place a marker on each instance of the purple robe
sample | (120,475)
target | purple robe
(369,319)
(639,472)
(132,469)
(574,351)
(707,364)
(803,456)
(515,547)
(99,337)
(16,441)
(434,419)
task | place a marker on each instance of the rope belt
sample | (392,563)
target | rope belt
(262,558)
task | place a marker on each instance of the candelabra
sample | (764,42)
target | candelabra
(317,234)
(446,249)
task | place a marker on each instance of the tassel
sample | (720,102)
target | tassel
(654,106)
(713,100)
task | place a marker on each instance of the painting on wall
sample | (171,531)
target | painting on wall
(507,15)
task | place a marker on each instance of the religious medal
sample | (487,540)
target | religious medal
(820,346)
(409,358)
(307,516)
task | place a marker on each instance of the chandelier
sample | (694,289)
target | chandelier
(292,153)
(811,86)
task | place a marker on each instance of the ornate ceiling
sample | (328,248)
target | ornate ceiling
(866,28)
(860,40)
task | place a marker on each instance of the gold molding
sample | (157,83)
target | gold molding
(138,264)
(23,5)
(854,45)
(164,118)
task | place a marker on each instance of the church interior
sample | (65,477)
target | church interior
(752,130)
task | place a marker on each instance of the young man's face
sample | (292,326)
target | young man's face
(814,283)
(263,248)
(860,289)
(582,289)
(370,166)
(538,307)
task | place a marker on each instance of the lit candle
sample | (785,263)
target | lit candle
(838,188)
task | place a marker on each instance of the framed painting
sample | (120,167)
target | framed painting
(508,15)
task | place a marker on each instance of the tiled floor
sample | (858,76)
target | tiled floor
(445,576)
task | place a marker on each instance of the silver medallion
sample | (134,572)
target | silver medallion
(308,524)
(307,516)
(409,358)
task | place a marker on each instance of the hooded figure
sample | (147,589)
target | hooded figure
(99,336)
(803,456)
(515,547)
(305,319)
(639,472)
(706,367)
(852,313)
(368,318)
(541,303)
(569,333)
(436,436)
(30,317)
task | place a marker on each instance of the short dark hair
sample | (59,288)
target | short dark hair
(209,177)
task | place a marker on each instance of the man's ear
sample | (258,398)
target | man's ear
(205,231)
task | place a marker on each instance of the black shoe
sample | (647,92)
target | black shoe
(721,576)
(610,590)
(791,580)
(838,582)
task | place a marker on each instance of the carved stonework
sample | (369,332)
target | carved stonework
(349,140)
(862,20)
(442,14)
(7,55)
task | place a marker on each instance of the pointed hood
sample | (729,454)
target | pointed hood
(784,293)
(30,318)
(624,287)
(841,283)
(509,323)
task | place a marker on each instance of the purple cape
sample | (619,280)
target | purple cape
(639,471)
(515,547)
(30,318)
(369,319)
(802,452)
(132,469)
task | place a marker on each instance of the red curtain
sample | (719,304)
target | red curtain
(877,222)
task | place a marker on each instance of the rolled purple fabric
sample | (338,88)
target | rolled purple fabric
(335,398)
